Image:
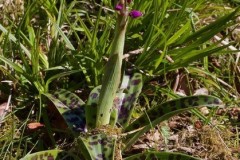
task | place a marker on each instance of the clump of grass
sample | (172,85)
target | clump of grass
(207,142)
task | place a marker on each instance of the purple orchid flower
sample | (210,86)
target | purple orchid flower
(135,14)
(119,7)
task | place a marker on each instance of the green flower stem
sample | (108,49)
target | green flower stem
(112,74)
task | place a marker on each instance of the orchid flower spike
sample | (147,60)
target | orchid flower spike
(133,13)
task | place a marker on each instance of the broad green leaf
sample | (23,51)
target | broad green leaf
(160,156)
(132,92)
(50,154)
(70,106)
(166,110)
(123,103)
(91,107)
(99,146)
(92,104)
(117,104)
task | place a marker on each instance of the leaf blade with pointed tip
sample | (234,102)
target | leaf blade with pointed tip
(71,107)
(49,154)
(165,111)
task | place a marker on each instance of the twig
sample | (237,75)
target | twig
(231,48)
(178,76)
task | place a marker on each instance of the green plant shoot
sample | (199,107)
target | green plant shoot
(112,74)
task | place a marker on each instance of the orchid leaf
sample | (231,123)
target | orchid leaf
(123,102)
(131,94)
(70,106)
(98,146)
(117,103)
(166,110)
(50,154)
(91,107)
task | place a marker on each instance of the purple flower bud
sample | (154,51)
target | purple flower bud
(119,7)
(135,14)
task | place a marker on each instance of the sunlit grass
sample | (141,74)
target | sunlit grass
(59,44)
